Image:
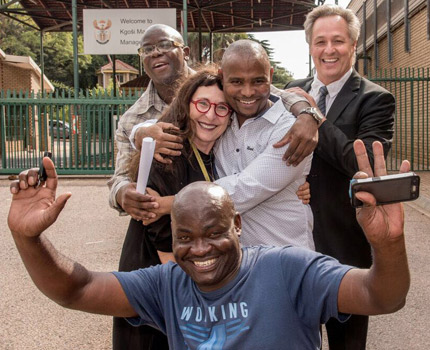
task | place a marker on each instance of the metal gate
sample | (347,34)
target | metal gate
(411,88)
(78,131)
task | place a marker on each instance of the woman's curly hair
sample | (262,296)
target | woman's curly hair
(178,113)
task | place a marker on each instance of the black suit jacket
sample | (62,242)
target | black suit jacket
(361,110)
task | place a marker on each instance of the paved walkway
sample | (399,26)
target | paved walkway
(92,233)
(423,202)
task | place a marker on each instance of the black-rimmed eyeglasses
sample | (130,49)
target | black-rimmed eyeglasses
(221,109)
(162,46)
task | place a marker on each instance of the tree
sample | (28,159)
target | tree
(18,39)
(220,43)
(281,76)
(24,40)
(58,51)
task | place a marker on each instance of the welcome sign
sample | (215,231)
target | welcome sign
(118,32)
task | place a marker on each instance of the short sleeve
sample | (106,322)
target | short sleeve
(143,289)
(312,281)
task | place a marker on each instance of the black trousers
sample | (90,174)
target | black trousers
(350,335)
(136,253)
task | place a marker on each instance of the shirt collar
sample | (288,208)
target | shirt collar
(334,87)
(151,99)
(271,114)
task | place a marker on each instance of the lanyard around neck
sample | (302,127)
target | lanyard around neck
(199,160)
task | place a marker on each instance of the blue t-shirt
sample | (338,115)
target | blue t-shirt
(278,300)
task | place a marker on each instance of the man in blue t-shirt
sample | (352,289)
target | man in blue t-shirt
(219,296)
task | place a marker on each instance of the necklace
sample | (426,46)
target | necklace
(200,161)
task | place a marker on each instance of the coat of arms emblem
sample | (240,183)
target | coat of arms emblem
(102,32)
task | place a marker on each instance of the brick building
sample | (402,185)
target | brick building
(394,50)
(21,73)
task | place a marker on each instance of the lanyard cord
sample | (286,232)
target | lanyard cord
(200,161)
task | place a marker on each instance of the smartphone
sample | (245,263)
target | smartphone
(387,189)
(42,172)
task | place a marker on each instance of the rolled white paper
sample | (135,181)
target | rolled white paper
(146,155)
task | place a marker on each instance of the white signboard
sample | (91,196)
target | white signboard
(119,32)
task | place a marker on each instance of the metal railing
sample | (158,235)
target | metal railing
(78,131)
(411,88)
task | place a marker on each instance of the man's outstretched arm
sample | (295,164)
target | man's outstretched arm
(33,210)
(383,287)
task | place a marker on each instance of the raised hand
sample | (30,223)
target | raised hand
(381,224)
(34,207)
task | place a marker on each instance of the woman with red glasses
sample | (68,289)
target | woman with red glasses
(201,115)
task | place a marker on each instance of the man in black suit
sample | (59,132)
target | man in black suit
(355,108)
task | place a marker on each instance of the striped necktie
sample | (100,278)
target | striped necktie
(321,102)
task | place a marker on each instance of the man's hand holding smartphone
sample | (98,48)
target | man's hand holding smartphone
(387,188)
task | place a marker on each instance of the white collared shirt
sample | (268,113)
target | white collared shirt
(262,186)
(333,89)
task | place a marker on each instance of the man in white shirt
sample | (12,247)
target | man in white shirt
(250,168)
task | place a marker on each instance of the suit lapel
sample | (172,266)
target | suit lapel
(307,85)
(348,92)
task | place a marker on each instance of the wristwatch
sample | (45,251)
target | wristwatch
(314,112)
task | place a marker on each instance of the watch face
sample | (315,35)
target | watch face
(315,113)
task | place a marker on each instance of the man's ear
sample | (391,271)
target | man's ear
(237,224)
(186,50)
(220,73)
(271,74)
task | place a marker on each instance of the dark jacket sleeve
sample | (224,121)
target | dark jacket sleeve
(165,183)
(362,110)
(374,121)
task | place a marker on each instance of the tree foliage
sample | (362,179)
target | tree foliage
(221,41)
(22,40)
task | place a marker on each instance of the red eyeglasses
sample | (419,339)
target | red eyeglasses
(221,109)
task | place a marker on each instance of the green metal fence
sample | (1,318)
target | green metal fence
(411,136)
(78,131)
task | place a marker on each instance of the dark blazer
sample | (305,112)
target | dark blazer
(361,110)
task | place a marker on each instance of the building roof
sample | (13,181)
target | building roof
(216,15)
(139,82)
(120,66)
(25,62)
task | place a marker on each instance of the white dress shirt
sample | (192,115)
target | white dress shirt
(262,186)
(333,89)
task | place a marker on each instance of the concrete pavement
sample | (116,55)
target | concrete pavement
(92,233)
(423,202)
